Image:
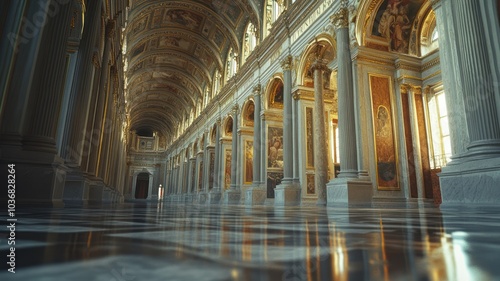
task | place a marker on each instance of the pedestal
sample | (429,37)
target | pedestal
(96,192)
(349,192)
(76,190)
(471,182)
(287,194)
(256,195)
(231,197)
(214,196)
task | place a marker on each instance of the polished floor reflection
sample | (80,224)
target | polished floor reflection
(161,242)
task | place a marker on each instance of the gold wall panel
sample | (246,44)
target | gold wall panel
(384,135)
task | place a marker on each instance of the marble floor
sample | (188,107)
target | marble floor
(174,242)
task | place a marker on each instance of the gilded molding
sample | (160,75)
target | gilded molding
(340,19)
(431,64)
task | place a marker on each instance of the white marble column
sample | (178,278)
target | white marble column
(287,193)
(216,193)
(319,132)
(474,176)
(256,194)
(346,188)
(233,195)
(32,97)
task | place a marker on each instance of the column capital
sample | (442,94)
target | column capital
(319,64)
(417,90)
(257,90)
(405,88)
(235,109)
(340,19)
(287,63)
(218,121)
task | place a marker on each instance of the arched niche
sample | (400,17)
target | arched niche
(322,47)
(228,126)
(247,114)
(274,93)
(213,134)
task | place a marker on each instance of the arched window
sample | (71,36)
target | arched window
(250,41)
(207,97)
(273,10)
(216,83)
(429,36)
(232,64)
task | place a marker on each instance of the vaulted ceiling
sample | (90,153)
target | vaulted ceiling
(173,50)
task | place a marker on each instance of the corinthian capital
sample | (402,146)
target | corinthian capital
(319,64)
(257,89)
(287,63)
(340,19)
(236,108)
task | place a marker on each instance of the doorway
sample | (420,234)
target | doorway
(142,186)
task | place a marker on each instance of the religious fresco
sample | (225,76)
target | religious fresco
(385,144)
(275,148)
(276,97)
(248,162)
(172,41)
(227,169)
(184,18)
(394,22)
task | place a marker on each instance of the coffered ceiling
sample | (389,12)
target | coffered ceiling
(173,50)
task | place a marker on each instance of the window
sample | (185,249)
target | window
(435,35)
(232,64)
(440,130)
(273,10)
(250,41)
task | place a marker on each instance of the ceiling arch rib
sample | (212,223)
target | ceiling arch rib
(173,49)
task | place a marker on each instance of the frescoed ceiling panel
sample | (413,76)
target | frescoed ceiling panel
(173,50)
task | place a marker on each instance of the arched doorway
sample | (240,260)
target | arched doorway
(142,186)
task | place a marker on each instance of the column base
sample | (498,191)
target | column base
(96,191)
(287,194)
(471,182)
(350,192)
(76,189)
(214,196)
(231,197)
(39,177)
(256,195)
